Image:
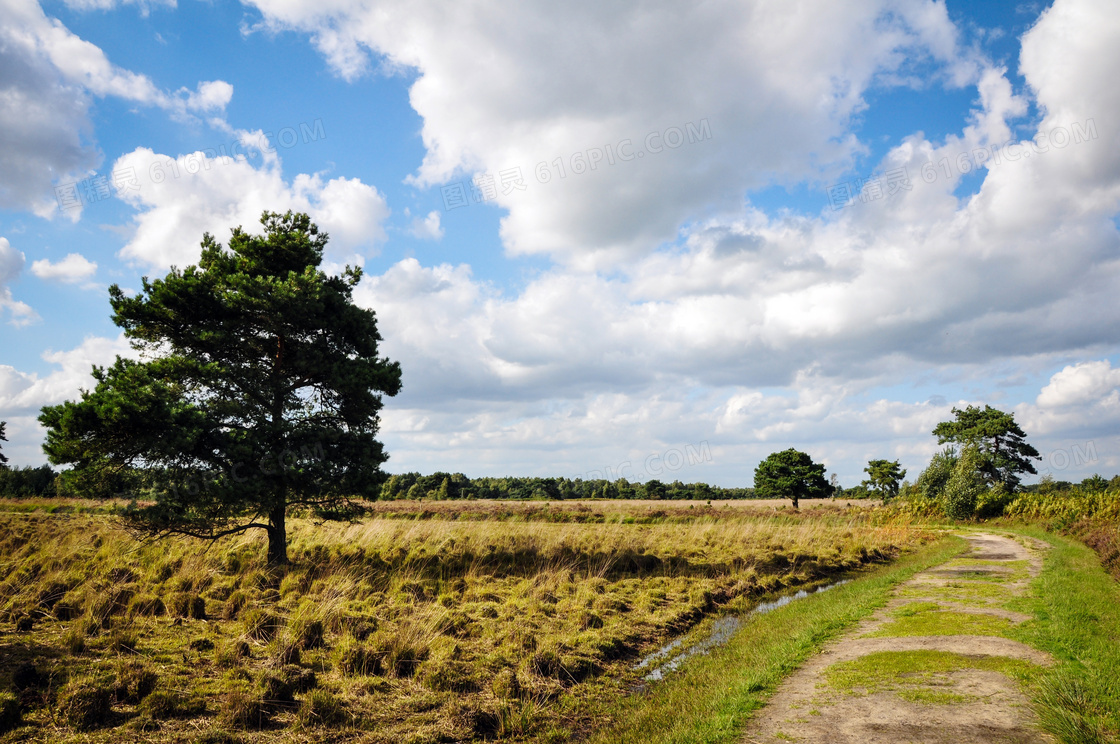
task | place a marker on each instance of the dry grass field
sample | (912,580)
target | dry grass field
(433,622)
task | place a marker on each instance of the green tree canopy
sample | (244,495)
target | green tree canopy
(1094,483)
(259,391)
(884,478)
(1003,452)
(790,474)
(965,484)
(3,459)
(933,479)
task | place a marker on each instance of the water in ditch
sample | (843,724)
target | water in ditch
(670,656)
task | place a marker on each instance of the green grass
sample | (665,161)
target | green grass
(944,622)
(935,697)
(1076,605)
(899,670)
(965,592)
(911,609)
(712,697)
(1014,570)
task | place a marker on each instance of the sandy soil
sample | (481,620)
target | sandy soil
(987,705)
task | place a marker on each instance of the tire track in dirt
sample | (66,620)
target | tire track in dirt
(931,666)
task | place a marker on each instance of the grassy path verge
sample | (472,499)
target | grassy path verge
(1076,606)
(710,699)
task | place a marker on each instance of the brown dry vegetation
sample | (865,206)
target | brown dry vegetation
(449,622)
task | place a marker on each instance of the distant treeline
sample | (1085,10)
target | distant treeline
(27,481)
(449,486)
(40,482)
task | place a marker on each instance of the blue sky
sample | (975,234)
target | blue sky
(715,293)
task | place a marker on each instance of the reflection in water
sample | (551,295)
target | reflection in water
(722,630)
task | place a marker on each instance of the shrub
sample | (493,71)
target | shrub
(964,486)
(934,478)
(86,704)
(322,708)
(993,502)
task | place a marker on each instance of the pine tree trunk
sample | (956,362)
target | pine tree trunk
(794,502)
(277,538)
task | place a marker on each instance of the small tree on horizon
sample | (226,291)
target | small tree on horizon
(3,438)
(884,478)
(259,391)
(790,474)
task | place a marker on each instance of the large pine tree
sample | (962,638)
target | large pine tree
(1002,449)
(258,390)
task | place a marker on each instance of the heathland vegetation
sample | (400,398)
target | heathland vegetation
(402,629)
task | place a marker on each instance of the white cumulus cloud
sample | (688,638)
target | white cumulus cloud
(427,228)
(11,264)
(598,100)
(72,269)
(49,79)
(178,199)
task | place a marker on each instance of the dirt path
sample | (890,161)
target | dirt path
(934,665)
